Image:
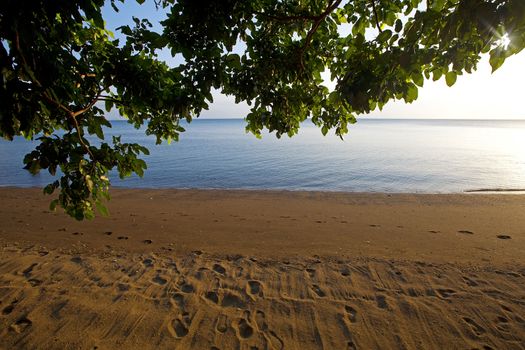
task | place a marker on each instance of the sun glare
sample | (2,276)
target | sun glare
(504,41)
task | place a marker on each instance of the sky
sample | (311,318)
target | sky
(480,95)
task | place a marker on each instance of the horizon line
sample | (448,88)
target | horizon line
(366,118)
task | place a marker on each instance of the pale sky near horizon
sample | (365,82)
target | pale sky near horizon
(480,95)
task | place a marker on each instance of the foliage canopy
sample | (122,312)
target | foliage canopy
(60,66)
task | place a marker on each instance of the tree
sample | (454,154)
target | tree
(60,65)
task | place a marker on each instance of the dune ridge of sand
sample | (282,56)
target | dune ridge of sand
(264,270)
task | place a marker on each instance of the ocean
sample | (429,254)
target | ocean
(377,155)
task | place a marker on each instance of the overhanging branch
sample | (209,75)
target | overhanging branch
(332,5)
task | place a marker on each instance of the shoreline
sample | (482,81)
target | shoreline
(267,269)
(496,190)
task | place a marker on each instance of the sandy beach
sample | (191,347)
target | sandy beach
(211,269)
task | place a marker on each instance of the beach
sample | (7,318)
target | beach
(232,269)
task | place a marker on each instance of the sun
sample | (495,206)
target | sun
(504,41)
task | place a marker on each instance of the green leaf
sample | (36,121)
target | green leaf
(89,183)
(108,105)
(438,5)
(102,208)
(451,78)
(412,93)
(399,26)
(49,189)
(384,36)
(497,58)
(233,61)
(438,73)
(53,205)
(418,79)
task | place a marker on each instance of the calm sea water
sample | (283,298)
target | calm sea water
(431,156)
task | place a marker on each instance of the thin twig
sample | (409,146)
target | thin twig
(376,16)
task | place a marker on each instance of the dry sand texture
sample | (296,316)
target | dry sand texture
(264,270)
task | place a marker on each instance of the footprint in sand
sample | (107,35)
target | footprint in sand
(381,302)
(202,272)
(350,345)
(178,299)
(77,234)
(272,338)
(374,225)
(351,313)
(254,289)
(470,282)
(502,324)
(27,272)
(504,237)
(466,232)
(108,233)
(445,292)
(177,328)
(318,291)
(76,259)
(243,327)
(219,269)
(34,282)
(222,323)
(21,325)
(173,266)
(159,280)
(476,328)
(260,321)
(187,288)
(212,296)
(345,271)
(147,262)
(311,272)
(232,300)
(506,308)
(122,238)
(123,287)
(9,308)
(147,241)
(275,342)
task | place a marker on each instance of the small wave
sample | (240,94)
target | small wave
(496,190)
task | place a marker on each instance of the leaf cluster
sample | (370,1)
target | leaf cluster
(63,71)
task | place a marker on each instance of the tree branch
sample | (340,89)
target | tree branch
(70,114)
(288,18)
(332,5)
(89,105)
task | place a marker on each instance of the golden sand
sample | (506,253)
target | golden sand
(190,269)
